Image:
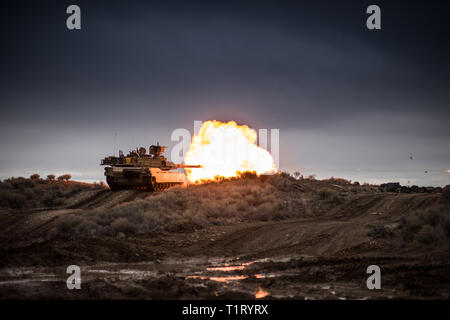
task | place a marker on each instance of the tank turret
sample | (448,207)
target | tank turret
(142,170)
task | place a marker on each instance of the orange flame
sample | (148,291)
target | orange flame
(224,150)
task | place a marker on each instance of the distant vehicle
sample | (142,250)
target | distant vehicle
(139,170)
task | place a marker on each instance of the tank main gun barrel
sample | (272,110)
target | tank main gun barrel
(178,166)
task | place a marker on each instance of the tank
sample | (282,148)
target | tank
(139,170)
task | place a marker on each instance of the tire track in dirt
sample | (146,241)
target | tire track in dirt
(32,224)
(108,199)
(85,202)
(385,205)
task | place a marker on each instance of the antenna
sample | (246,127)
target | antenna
(115,141)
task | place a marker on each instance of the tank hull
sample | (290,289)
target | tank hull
(144,178)
(139,170)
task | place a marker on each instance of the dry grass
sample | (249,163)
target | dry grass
(22,193)
(338,181)
(446,195)
(330,195)
(424,226)
(380,231)
(179,209)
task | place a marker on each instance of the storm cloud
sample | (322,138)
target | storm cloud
(346,99)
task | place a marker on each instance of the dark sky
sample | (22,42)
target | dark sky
(348,101)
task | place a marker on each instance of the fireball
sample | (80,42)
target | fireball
(224,150)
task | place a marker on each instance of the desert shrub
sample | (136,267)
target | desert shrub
(123,225)
(379,231)
(339,181)
(87,227)
(425,226)
(12,200)
(69,223)
(329,195)
(272,210)
(446,194)
(280,182)
(99,184)
(21,183)
(65,177)
(183,225)
(187,209)
(51,177)
(286,175)
(425,234)
(35,176)
(52,199)
(6,185)
(77,188)
(247,175)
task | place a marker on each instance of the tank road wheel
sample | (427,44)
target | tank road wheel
(112,185)
(154,185)
(149,183)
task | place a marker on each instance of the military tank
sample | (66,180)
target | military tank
(139,170)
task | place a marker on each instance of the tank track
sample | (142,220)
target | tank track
(151,186)
(164,186)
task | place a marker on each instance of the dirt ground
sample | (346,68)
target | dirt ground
(319,256)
